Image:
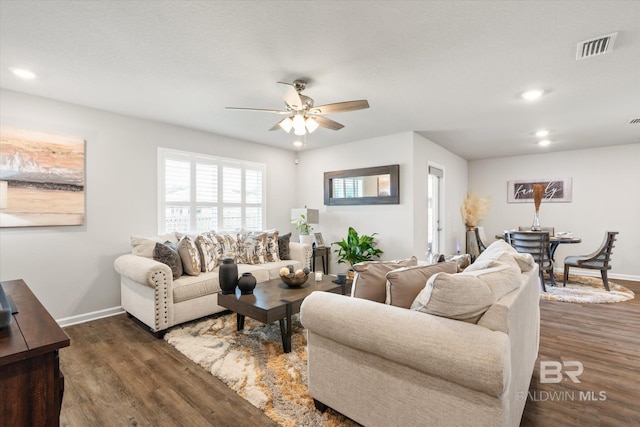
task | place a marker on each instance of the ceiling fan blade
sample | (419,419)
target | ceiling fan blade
(277,125)
(290,95)
(339,107)
(260,110)
(328,123)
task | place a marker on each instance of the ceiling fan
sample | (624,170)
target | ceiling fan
(302,116)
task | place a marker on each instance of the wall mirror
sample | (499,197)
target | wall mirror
(378,185)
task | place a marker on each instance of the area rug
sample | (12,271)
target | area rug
(584,289)
(252,363)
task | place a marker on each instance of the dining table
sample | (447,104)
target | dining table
(554,242)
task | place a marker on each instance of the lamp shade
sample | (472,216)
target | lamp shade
(4,190)
(312,215)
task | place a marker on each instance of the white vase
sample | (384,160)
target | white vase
(306,238)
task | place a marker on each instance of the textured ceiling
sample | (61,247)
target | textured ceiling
(451,71)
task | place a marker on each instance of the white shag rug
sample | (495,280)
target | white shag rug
(584,289)
(251,362)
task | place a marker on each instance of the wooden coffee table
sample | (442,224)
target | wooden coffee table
(274,300)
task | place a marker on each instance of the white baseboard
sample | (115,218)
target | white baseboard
(596,273)
(87,317)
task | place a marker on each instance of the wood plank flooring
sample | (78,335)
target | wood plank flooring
(117,374)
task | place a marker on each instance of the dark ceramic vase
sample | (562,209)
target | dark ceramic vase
(246,283)
(228,276)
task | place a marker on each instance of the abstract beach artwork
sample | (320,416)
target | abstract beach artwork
(42,179)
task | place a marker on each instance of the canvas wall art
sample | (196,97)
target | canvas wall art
(42,179)
(556,190)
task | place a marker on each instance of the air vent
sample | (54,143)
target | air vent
(596,46)
(634,122)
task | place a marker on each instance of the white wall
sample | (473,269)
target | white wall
(70,269)
(401,228)
(605,197)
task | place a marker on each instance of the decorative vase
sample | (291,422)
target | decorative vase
(246,283)
(306,238)
(536,222)
(228,276)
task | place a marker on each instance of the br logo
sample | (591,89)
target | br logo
(552,371)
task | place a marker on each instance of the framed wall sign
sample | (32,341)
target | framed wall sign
(556,190)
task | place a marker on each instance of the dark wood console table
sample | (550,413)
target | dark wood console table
(30,378)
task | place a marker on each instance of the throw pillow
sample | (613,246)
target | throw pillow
(454,296)
(251,248)
(190,256)
(226,245)
(167,253)
(208,253)
(144,246)
(272,249)
(496,250)
(370,282)
(502,276)
(404,284)
(283,246)
(466,296)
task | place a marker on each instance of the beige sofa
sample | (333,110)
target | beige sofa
(384,365)
(151,294)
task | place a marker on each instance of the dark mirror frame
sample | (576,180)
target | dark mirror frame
(392,199)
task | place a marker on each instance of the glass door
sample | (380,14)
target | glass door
(434,210)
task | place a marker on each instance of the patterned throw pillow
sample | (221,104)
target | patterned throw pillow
(208,253)
(251,248)
(271,248)
(167,253)
(283,246)
(226,245)
(190,257)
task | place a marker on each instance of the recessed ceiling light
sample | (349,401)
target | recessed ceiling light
(531,95)
(25,74)
(542,133)
(297,143)
(544,142)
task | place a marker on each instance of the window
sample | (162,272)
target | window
(201,193)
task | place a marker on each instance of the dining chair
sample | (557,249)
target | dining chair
(535,243)
(479,235)
(598,260)
(551,230)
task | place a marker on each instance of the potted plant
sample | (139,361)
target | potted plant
(356,248)
(304,229)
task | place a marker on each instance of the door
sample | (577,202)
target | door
(434,209)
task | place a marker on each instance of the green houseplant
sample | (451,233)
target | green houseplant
(304,228)
(356,248)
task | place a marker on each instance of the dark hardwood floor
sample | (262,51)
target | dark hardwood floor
(117,374)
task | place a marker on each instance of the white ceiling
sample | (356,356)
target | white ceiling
(450,70)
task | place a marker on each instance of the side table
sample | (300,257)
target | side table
(323,253)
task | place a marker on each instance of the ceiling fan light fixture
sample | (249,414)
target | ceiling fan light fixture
(286,124)
(298,125)
(311,124)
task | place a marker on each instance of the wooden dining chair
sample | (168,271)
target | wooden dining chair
(535,243)
(479,241)
(598,260)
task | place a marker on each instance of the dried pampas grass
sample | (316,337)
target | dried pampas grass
(538,193)
(473,209)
